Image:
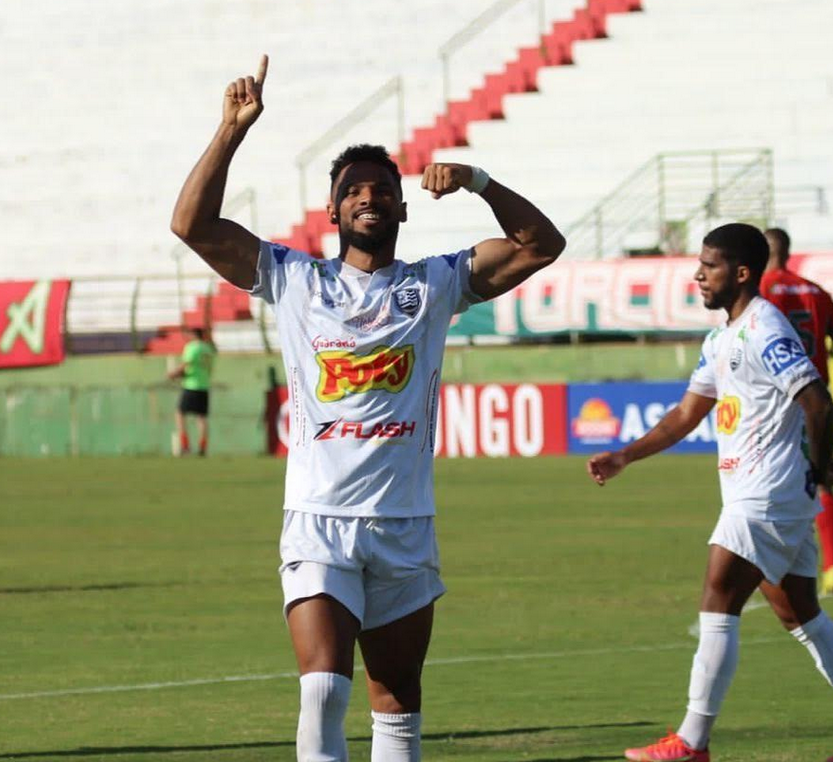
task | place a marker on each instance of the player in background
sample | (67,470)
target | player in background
(195,371)
(810,310)
(362,342)
(768,393)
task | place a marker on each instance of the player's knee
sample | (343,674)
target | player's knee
(325,694)
(402,698)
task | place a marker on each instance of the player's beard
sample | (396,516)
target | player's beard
(372,242)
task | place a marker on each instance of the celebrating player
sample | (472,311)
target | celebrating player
(810,310)
(362,339)
(768,395)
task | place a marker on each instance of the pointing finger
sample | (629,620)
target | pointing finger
(262,69)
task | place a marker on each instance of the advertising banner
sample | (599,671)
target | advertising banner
(644,295)
(31,322)
(609,416)
(473,420)
(641,295)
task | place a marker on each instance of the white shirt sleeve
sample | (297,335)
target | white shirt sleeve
(703,380)
(273,264)
(782,357)
(453,275)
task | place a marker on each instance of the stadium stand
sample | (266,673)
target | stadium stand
(89,188)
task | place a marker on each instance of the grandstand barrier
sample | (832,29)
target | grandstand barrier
(71,421)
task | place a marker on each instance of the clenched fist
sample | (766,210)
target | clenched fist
(243,104)
(442,179)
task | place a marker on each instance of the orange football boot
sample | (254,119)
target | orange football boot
(672,748)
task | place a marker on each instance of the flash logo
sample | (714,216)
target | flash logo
(341,429)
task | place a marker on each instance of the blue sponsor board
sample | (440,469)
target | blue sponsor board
(609,416)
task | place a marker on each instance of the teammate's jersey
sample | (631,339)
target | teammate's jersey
(807,306)
(754,367)
(198,359)
(362,355)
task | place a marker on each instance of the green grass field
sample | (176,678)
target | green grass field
(140,617)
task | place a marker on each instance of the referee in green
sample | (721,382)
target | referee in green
(195,372)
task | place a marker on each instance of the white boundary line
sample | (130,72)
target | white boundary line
(289,675)
(751,605)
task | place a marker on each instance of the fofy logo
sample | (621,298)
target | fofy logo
(728,415)
(342,373)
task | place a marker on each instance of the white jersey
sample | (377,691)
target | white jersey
(754,367)
(362,355)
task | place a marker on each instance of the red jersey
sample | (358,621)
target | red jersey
(807,306)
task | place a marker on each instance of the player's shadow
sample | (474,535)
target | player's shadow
(94,588)
(102,751)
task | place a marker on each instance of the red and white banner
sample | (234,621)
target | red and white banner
(473,420)
(31,322)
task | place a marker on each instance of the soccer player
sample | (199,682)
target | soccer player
(774,420)
(362,338)
(810,310)
(195,372)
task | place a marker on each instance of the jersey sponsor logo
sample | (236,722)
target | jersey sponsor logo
(729,465)
(728,414)
(781,354)
(319,343)
(342,429)
(373,321)
(342,373)
(595,421)
(408,300)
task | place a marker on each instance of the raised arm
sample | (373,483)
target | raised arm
(227,247)
(675,424)
(818,414)
(531,242)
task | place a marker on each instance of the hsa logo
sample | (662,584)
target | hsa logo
(728,415)
(782,354)
(344,373)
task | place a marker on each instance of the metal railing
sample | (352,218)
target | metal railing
(473,29)
(657,207)
(393,87)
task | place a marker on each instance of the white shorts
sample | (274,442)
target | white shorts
(777,548)
(380,569)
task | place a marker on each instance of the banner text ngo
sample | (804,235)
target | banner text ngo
(473,420)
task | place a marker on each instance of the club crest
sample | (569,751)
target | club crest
(408,300)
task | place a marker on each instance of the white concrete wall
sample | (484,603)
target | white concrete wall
(108,105)
(110,102)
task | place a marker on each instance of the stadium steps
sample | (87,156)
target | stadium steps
(485,103)
(228,305)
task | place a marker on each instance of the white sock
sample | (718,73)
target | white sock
(817,637)
(395,737)
(711,675)
(324,698)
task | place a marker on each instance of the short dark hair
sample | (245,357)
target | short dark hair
(780,235)
(742,244)
(364,152)
(199,333)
